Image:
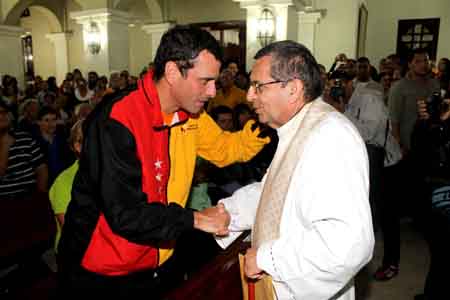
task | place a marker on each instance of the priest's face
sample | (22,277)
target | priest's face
(268,96)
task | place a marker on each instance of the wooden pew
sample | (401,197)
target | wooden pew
(27,226)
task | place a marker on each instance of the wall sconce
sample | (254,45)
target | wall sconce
(266,27)
(93,38)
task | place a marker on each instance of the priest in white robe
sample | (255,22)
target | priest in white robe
(310,216)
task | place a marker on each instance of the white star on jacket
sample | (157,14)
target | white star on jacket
(158,176)
(158,164)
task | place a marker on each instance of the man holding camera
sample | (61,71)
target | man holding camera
(431,140)
(403,96)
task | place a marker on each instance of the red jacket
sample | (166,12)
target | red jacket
(118,216)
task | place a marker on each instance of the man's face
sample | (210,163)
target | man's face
(420,65)
(92,77)
(32,111)
(225,121)
(192,91)
(233,69)
(269,101)
(47,124)
(386,81)
(363,71)
(226,79)
(243,119)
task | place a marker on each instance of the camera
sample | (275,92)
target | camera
(435,106)
(337,91)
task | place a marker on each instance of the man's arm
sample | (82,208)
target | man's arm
(5,143)
(241,206)
(126,206)
(395,110)
(42,178)
(368,116)
(223,148)
(396,131)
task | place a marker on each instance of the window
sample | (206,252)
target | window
(418,34)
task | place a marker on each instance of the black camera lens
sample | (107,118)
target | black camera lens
(434,106)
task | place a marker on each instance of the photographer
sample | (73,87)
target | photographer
(431,139)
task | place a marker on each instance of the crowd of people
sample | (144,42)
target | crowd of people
(121,158)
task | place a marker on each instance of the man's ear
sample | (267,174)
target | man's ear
(296,91)
(171,72)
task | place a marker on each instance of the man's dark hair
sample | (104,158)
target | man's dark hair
(182,44)
(340,75)
(416,52)
(291,60)
(46,110)
(363,59)
(218,110)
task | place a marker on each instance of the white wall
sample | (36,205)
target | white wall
(337,31)
(43,50)
(75,41)
(140,42)
(140,50)
(292,29)
(383,22)
(199,11)
(11,51)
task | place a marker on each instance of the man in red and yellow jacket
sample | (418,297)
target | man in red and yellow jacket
(136,168)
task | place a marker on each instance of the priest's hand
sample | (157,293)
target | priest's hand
(250,267)
(214,220)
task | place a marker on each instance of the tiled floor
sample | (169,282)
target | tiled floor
(409,282)
(413,269)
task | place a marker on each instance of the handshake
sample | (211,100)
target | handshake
(214,220)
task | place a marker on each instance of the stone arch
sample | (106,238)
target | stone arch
(153,6)
(13,15)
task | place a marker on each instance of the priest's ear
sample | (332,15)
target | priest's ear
(295,89)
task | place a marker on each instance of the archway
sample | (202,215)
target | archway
(153,7)
(40,55)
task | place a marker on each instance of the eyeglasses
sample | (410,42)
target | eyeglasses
(258,86)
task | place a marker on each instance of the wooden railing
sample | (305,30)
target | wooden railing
(218,279)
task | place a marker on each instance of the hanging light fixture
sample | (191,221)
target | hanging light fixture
(93,38)
(266,27)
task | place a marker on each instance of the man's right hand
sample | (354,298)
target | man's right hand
(214,220)
(422,109)
(423,113)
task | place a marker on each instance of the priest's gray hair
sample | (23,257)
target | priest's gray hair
(291,60)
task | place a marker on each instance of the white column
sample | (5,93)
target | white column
(59,41)
(12,53)
(156,31)
(114,39)
(307,28)
(254,8)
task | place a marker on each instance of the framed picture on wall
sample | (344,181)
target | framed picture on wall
(362,31)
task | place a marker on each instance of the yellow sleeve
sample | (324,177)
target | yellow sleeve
(224,148)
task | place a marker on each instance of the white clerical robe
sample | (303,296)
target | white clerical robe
(326,233)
